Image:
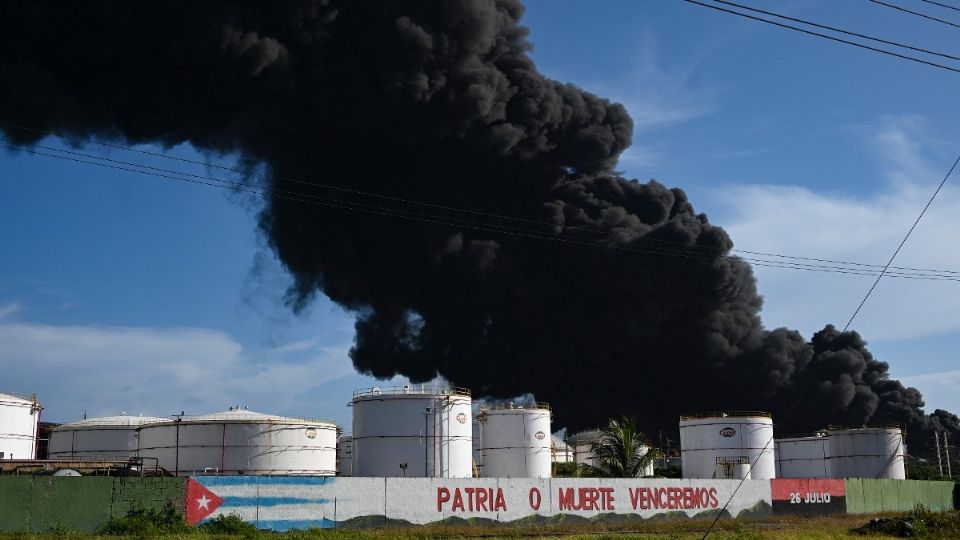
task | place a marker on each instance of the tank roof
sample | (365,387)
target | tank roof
(122,420)
(409,390)
(589,435)
(501,407)
(865,427)
(18,398)
(727,414)
(557,442)
(244,416)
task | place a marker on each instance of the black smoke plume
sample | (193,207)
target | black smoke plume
(600,294)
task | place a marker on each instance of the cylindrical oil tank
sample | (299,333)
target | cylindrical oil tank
(516,441)
(109,437)
(242,442)
(19,422)
(345,455)
(477,446)
(709,442)
(867,452)
(562,452)
(802,457)
(581,444)
(414,431)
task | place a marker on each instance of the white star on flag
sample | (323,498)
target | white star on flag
(203,502)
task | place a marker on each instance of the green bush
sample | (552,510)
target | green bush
(59,529)
(147,522)
(564,470)
(229,524)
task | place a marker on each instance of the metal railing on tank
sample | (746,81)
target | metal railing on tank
(500,406)
(727,414)
(27,397)
(411,389)
(871,425)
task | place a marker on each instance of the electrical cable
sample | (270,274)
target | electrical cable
(839,30)
(902,242)
(713,251)
(459,222)
(825,36)
(941,4)
(915,13)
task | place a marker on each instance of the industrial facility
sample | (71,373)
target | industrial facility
(436,432)
(741,445)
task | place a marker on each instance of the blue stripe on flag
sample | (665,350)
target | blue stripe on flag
(281,525)
(270,501)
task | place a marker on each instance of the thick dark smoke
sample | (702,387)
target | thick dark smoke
(629,306)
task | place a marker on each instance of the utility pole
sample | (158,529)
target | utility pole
(946,453)
(936,439)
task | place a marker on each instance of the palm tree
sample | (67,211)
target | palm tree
(620,451)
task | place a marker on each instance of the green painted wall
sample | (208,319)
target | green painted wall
(37,503)
(871,495)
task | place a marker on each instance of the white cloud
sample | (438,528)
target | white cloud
(940,390)
(8,309)
(797,221)
(159,371)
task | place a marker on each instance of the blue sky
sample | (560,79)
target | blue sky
(121,292)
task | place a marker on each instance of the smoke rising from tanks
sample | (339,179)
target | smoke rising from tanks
(440,102)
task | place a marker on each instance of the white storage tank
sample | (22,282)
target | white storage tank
(477,447)
(582,443)
(713,445)
(562,452)
(242,442)
(516,441)
(802,457)
(867,452)
(414,431)
(345,455)
(19,424)
(108,438)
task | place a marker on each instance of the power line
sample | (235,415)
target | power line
(712,252)
(839,30)
(941,5)
(915,13)
(825,36)
(902,242)
(459,222)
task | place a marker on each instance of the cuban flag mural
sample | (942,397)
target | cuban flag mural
(277,503)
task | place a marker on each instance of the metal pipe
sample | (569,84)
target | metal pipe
(946,452)
(936,439)
(426,441)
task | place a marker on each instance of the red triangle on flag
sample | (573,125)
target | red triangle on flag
(201,502)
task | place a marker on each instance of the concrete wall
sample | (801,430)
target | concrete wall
(870,496)
(37,503)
